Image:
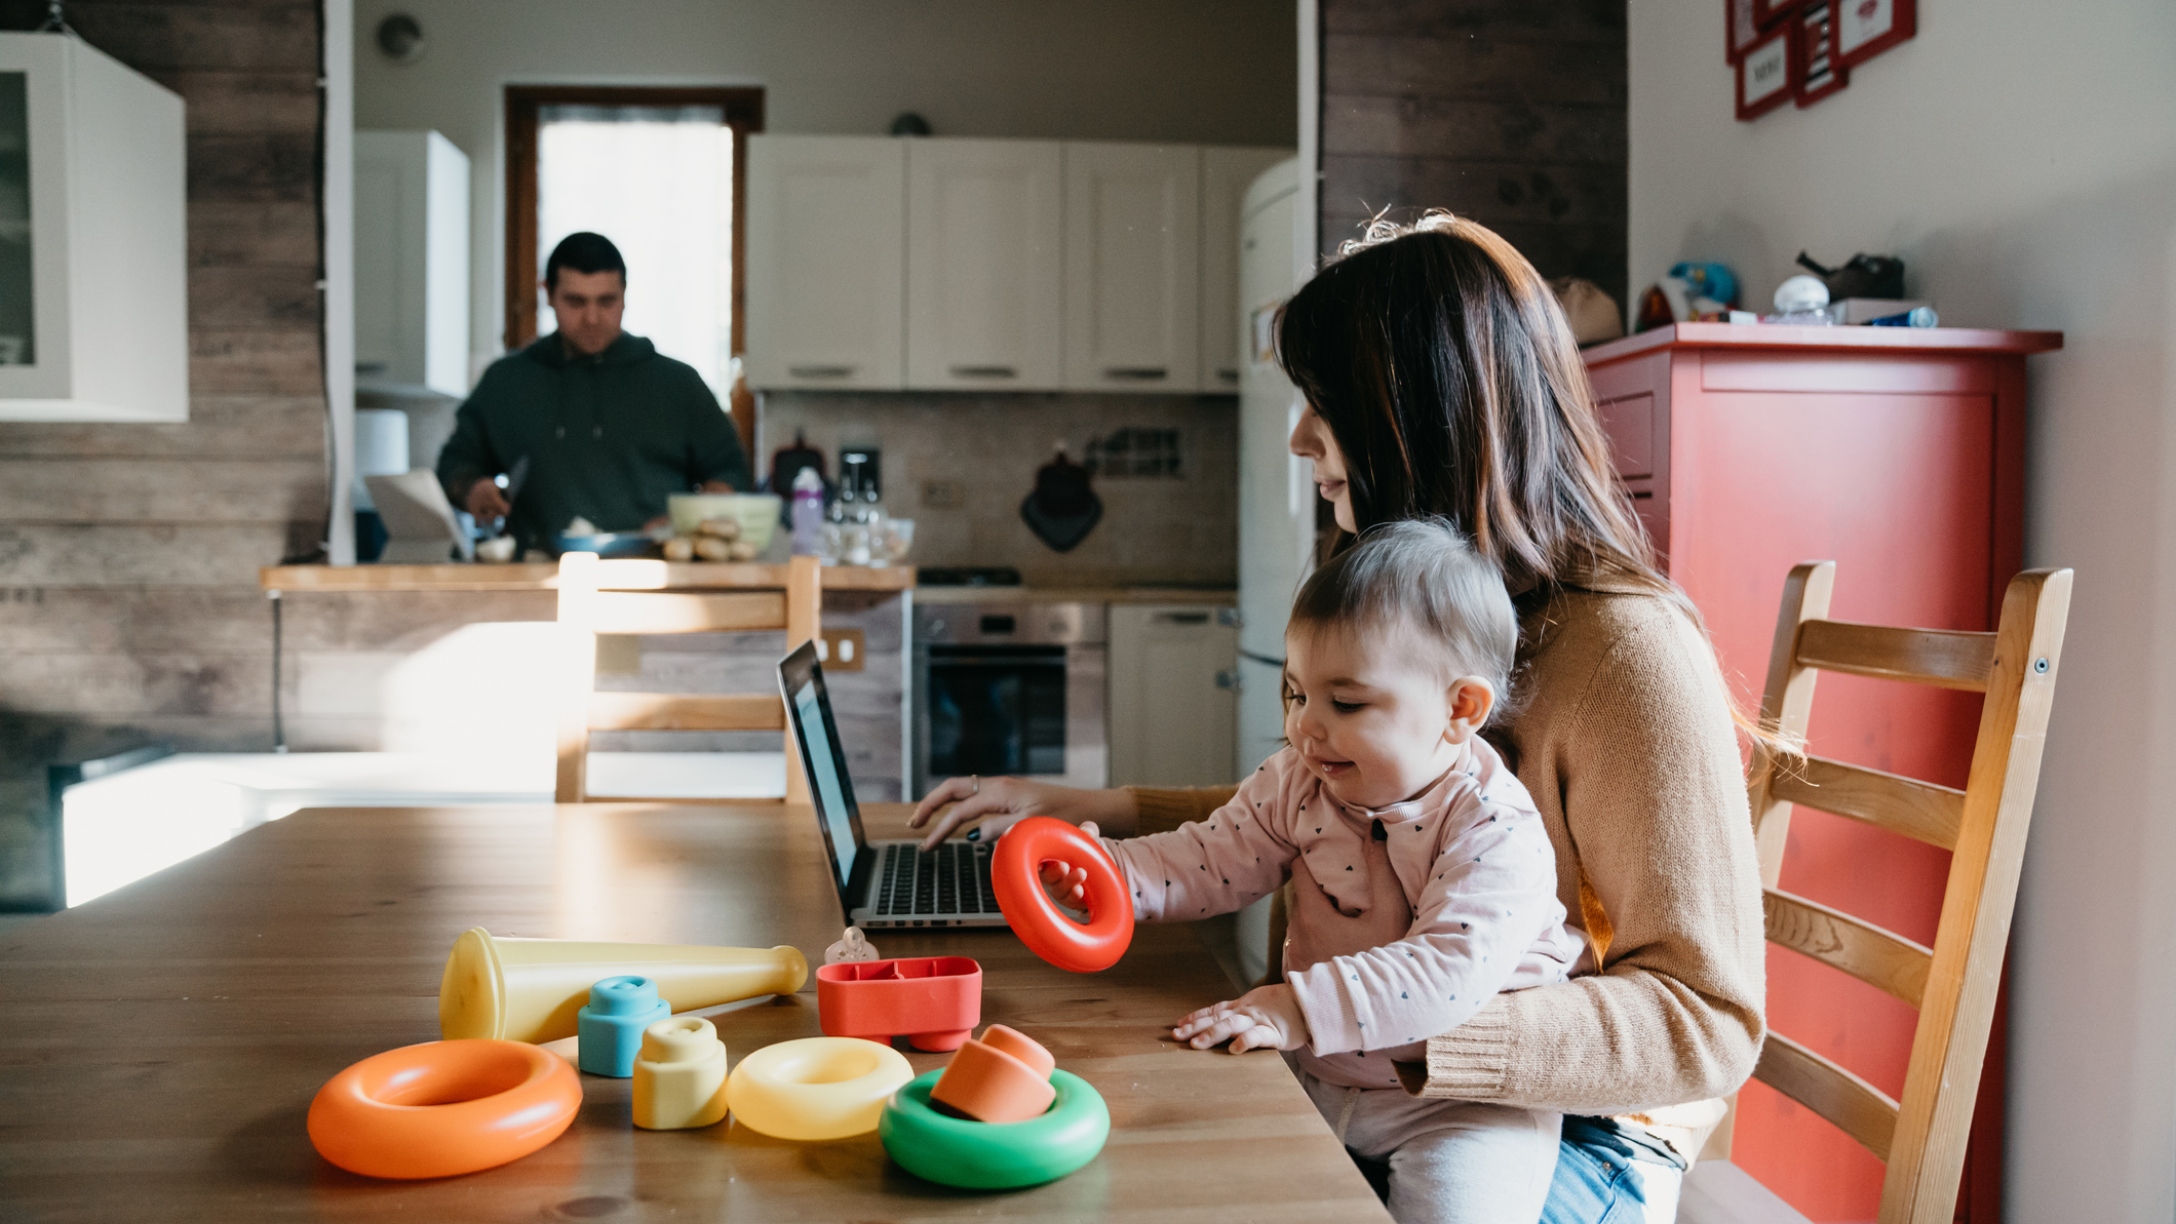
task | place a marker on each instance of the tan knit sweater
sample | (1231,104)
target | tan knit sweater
(1626,742)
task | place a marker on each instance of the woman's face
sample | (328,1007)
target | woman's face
(1311,439)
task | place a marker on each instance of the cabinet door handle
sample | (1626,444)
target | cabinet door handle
(821,371)
(1229,680)
(1183,618)
(1227,375)
(1135,373)
(984,371)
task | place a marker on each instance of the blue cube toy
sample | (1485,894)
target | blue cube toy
(610,1028)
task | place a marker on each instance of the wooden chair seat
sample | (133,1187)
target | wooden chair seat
(634,597)
(1922,1136)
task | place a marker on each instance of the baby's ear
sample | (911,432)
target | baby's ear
(1468,702)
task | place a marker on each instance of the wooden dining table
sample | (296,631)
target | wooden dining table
(159,1046)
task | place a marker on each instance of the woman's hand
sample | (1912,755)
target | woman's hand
(1000,803)
(1264,1018)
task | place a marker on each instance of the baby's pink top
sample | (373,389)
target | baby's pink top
(1393,938)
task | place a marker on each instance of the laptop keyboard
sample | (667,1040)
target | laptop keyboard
(952,879)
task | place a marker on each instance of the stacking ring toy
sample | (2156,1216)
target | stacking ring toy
(995,1156)
(443,1108)
(1015,876)
(1004,1077)
(815,1087)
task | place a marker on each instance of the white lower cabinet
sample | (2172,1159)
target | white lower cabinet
(984,234)
(826,262)
(1132,267)
(1173,697)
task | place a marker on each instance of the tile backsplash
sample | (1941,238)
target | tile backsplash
(959,465)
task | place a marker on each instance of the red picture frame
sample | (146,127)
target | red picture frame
(1863,29)
(1767,12)
(1768,73)
(1741,29)
(1818,75)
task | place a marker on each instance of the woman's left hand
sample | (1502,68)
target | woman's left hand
(1264,1018)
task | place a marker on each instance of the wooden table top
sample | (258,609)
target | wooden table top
(161,1044)
(634,574)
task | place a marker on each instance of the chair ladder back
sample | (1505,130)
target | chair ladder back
(1941,1083)
(1786,704)
(638,604)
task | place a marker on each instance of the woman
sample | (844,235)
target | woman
(1441,379)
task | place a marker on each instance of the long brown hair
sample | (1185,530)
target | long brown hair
(1445,370)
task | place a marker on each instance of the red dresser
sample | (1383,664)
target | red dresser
(1900,454)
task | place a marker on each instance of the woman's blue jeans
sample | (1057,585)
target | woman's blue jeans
(1596,1181)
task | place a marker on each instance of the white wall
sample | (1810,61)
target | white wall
(1206,71)
(2021,157)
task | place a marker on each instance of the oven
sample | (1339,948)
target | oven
(1010,687)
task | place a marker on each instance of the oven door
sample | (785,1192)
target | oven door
(1031,710)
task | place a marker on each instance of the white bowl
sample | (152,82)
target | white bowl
(757,513)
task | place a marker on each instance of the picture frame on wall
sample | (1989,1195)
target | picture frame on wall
(1768,73)
(1863,29)
(1741,30)
(1767,12)
(1819,75)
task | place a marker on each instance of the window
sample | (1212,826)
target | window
(658,171)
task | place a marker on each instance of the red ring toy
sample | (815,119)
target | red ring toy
(443,1108)
(1015,876)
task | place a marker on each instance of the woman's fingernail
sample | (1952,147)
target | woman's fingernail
(974,835)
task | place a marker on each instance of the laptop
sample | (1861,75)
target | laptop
(886,883)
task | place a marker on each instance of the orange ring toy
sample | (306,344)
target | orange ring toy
(1015,876)
(443,1108)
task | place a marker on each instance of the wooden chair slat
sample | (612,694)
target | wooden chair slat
(672,612)
(1919,810)
(1852,1105)
(1882,959)
(1943,658)
(686,712)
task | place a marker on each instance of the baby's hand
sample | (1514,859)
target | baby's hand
(1265,1018)
(1069,885)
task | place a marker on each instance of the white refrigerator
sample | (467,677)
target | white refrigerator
(1276,489)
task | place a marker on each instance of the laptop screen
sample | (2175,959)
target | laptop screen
(801,679)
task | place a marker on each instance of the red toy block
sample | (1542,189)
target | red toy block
(933,1001)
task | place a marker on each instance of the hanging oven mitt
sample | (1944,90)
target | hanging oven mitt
(1063,509)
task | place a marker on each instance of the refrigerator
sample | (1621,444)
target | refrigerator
(1276,489)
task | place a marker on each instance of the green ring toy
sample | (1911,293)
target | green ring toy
(995,1156)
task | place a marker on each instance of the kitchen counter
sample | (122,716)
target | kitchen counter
(626,575)
(1202,596)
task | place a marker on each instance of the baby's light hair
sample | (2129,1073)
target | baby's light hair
(1420,574)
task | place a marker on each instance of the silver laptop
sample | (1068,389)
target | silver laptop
(886,883)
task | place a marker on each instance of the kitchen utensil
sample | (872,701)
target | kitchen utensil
(1063,509)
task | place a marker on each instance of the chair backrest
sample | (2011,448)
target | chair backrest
(631,597)
(1922,1137)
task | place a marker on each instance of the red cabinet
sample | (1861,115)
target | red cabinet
(1900,454)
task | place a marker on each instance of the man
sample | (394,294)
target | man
(609,426)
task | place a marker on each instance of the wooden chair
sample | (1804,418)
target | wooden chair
(631,597)
(1922,1137)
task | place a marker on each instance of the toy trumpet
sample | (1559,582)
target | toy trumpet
(531,989)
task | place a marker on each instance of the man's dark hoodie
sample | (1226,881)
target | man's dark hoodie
(607,437)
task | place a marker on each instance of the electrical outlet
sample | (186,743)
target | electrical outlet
(842,650)
(944,494)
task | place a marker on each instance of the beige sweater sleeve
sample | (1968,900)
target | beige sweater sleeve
(1649,796)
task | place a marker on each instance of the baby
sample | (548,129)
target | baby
(1424,882)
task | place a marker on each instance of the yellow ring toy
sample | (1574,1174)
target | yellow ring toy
(816,1087)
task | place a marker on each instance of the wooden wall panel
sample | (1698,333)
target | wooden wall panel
(1507,112)
(129,609)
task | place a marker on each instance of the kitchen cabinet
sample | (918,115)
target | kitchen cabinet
(984,238)
(1226,172)
(1173,696)
(411,262)
(826,268)
(1132,267)
(94,301)
(1899,453)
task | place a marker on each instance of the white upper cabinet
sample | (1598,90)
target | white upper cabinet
(1225,173)
(94,298)
(826,262)
(1132,267)
(411,262)
(984,234)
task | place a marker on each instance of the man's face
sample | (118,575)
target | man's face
(589,306)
